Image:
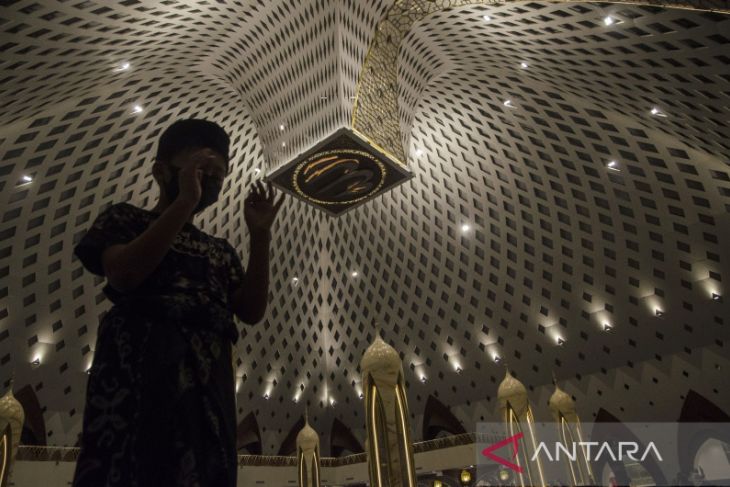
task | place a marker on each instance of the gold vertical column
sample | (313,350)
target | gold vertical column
(570,432)
(12,416)
(389,447)
(308,455)
(515,409)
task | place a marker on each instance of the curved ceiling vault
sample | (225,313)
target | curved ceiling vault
(560,242)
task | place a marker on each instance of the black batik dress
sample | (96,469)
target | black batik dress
(160,402)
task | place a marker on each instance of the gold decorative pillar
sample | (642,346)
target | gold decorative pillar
(11,414)
(389,447)
(514,407)
(566,418)
(308,455)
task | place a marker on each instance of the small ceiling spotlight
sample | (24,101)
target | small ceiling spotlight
(332,401)
(608,20)
(657,112)
(137,109)
(24,179)
(561,341)
(487,18)
(36,362)
(123,66)
(266,396)
(295,281)
(361,395)
(283,144)
(607,327)
(716,297)
(419,152)
(496,358)
(458,369)
(88,371)
(423,379)
(257,171)
(354,274)
(524,65)
(659,313)
(281,127)
(613,165)
(465,228)
(508,104)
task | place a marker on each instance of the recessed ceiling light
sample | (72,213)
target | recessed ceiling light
(487,18)
(609,20)
(361,395)
(123,66)
(295,281)
(283,144)
(354,274)
(36,362)
(657,112)
(659,313)
(613,165)
(281,127)
(465,228)
(496,358)
(419,152)
(137,109)
(257,171)
(508,104)
(423,379)
(560,341)
(266,396)
(524,65)
(458,369)
(715,297)
(607,327)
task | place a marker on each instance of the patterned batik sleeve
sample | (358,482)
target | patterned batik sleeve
(112,226)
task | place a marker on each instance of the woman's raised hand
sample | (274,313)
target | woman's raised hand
(260,207)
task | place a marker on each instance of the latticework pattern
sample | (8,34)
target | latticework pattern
(581,228)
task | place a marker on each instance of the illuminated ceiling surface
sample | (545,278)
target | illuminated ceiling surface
(570,184)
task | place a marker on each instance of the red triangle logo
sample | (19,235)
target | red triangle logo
(487,452)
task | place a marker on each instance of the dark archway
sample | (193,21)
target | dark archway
(248,436)
(698,419)
(438,418)
(609,428)
(342,440)
(34,427)
(289,445)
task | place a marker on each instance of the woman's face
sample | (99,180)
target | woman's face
(214,164)
(214,167)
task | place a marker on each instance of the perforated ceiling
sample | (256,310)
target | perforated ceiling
(598,195)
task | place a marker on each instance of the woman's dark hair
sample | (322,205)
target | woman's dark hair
(191,133)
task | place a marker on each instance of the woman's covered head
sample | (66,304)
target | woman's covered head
(187,142)
(189,134)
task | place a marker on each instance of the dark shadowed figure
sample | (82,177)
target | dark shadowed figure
(160,402)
